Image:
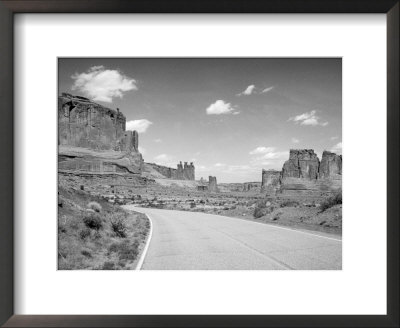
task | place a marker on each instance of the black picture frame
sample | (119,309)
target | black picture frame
(10,7)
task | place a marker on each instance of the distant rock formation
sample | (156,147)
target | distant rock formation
(331,166)
(270,180)
(251,186)
(92,139)
(304,172)
(182,172)
(212,184)
(302,163)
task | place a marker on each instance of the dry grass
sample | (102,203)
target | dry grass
(105,237)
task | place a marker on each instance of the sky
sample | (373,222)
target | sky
(232,117)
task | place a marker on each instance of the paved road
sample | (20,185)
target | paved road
(198,241)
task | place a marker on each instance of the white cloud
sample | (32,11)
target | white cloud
(337,148)
(157,140)
(267,89)
(140,126)
(165,159)
(295,140)
(264,155)
(334,138)
(219,165)
(309,118)
(102,84)
(219,107)
(249,90)
(142,150)
(262,150)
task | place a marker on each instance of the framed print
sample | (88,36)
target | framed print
(207,164)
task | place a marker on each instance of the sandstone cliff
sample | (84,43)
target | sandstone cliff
(270,181)
(92,139)
(212,184)
(302,163)
(182,172)
(331,166)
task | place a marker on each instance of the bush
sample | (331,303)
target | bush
(289,203)
(262,208)
(108,265)
(331,201)
(118,225)
(84,233)
(86,253)
(93,221)
(259,212)
(125,250)
(94,206)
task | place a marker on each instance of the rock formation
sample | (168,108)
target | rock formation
(251,186)
(92,139)
(270,181)
(302,163)
(83,123)
(182,172)
(304,172)
(212,184)
(331,166)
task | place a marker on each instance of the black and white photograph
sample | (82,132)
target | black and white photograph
(199,164)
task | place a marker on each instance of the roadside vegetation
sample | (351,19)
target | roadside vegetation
(94,234)
(331,201)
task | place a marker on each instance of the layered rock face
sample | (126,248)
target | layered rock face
(83,123)
(212,184)
(271,181)
(302,163)
(304,172)
(251,186)
(182,172)
(331,166)
(92,139)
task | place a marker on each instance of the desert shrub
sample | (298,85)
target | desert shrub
(125,250)
(108,265)
(95,206)
(289,203)
(86,253)
(92,221)
(192,205)
(84,233)
(261,203)
(262,208)
(259,212)
(118,225)
(331,201)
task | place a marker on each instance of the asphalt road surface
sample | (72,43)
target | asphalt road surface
(197,241)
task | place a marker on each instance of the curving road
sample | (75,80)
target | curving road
(197,241)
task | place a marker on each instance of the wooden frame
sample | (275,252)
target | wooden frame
(7,10)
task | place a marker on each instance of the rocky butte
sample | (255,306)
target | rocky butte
(304,172)
(212,184)
(92,139)
(182,172)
